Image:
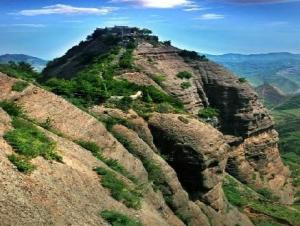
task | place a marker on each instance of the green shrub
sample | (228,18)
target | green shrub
(184,217)
(119,190)
(125,103)
(192,55)
(11,108)
(165,108)
(185,85)
(19,86)
(126,60)
(167,43)
(158,96)
(90,146)
(154,174)
(29,141)
(109,122)
(159,79)
(266,193)
(145,32)
(22,163)
(208,112)
(117,219)
(184,75)
(242,80)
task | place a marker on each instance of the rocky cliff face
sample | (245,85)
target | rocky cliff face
(243,119)
(173,162)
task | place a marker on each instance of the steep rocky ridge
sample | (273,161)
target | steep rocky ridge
(180,160)
(241,113)
(212,85)
(78,163)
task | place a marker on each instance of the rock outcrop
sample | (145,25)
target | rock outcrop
(242,116)
(196,151)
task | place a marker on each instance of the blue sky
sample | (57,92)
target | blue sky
(47,28)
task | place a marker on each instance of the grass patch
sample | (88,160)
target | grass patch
(185,85)
(11,108)
(23,164)
(29,142)
(159,79)
(119,190)
(242,196)
(265,223)
(20,86)
(118,219)
(265,192)
(112,163)
(184,75)
(109,122)
(208,112)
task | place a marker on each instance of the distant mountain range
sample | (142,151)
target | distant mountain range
(37,63)
(281,70)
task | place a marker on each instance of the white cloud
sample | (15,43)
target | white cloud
(159,3)
(197,8)
(211,16)
(65,9)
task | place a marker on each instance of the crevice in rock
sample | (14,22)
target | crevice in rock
(233,169)
(187,163)
(226,100)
